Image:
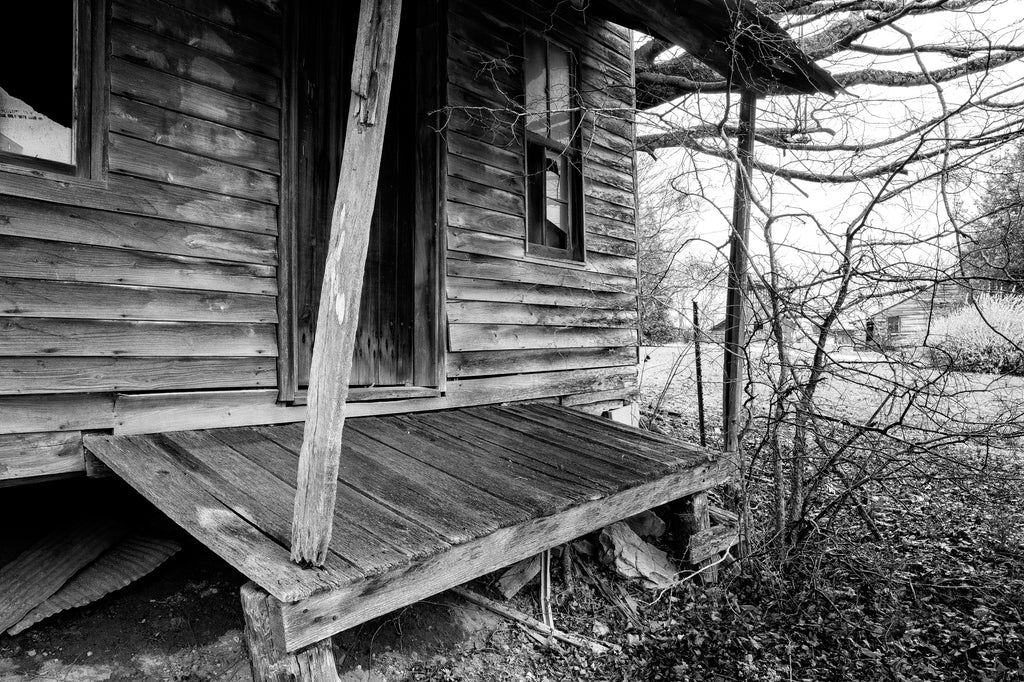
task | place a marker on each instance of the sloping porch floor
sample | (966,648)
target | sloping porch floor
(426,501)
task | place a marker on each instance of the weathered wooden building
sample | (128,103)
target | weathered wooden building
(176,181)
(168,278)
(906,323)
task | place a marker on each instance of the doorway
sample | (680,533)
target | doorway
(396,348)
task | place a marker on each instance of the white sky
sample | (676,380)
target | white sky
(868,113)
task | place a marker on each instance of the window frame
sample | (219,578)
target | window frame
(572,154)
(892,325)
(89,102)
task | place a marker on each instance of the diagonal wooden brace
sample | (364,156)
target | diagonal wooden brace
(338,317)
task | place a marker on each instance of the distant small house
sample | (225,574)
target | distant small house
(757,322)
(906,323)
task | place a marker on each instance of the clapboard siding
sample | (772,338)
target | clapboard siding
(178,25)
(137,45)
(502,337)
(26,336)
(35,375)
(190,134)
(161,275)
(188,97)
(485,220)
(56,412)
(554,315)
(77,225)
(47,298)
(485,363)
(529,314)
(254,19)
(40,259)
(535,272)
(147,160)
(468,289)
(153,413)
(24,455)
(126,194)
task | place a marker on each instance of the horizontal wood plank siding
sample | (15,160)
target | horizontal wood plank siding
(153,413)
(162,274)
(55,412)
(26,336)
(38,259)
(47,298)
(485,363)
(24,455)
(35,375)
(77,225)
(509,313)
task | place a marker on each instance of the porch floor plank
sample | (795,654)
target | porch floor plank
(423,499)
(476,468)
(532,471)
(619,468)
(365,532)
(551,464)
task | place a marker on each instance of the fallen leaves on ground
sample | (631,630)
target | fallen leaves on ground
(941,597)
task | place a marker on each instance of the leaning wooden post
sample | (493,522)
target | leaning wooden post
(372,71)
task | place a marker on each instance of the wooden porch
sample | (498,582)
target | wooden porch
(425,501)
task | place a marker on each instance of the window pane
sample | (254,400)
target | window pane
(535,159)
(535,74)
(556,234)
(37,89)
(560,93)
(556,206)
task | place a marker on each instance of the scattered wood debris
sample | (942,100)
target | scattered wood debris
(614,594)
(631,557)
(529,621)
(647,525)
(547,614)
(709,544)
(518,576)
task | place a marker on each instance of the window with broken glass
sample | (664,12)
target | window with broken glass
(554,173)
(46,105)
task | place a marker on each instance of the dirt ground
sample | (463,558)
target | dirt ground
(184,623)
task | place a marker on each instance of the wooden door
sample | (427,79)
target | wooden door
(393,311)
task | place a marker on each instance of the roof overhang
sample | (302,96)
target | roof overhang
(732,37)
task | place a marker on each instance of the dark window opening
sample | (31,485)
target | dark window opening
(554,174)
(893,325)
(45,92)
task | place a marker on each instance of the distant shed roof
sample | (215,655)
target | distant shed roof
(730,36)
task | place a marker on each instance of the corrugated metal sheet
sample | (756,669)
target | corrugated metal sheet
(41,570)
(134,557)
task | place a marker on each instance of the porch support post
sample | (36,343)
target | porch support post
(372,71)
(737,284)
(267,656)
